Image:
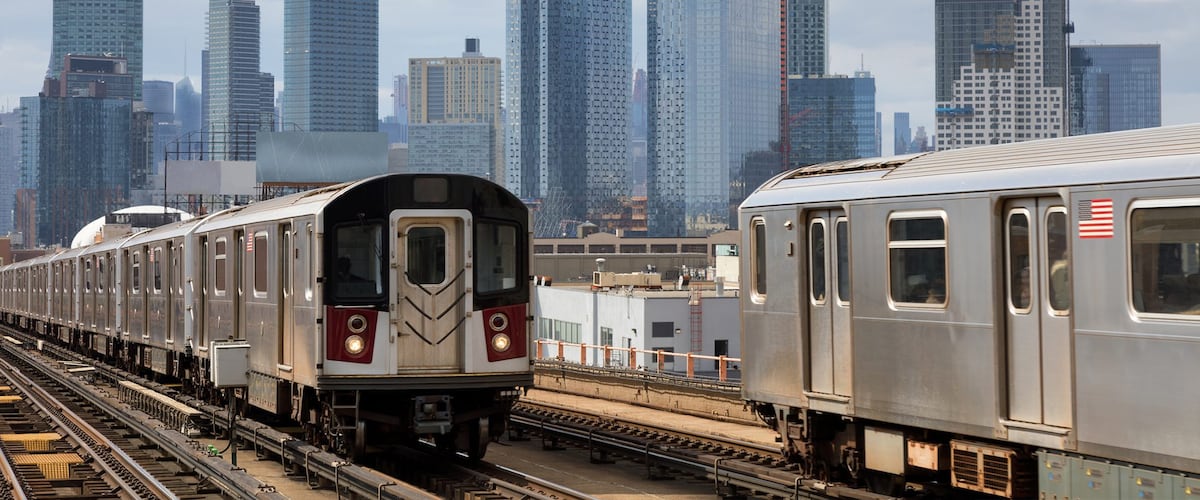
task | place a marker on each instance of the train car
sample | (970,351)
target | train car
(1014,320)
(389,309)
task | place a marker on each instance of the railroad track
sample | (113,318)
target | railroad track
(735,468)
(68,443)
(419,472)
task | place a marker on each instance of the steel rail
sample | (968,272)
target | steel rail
(231,480)
(13,489)
(317,464)
(131,476)
(721,469)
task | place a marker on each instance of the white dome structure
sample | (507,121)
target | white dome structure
(89,233)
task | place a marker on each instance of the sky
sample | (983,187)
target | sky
(893,39)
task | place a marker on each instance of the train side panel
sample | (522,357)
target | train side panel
(898,333)
(1136,333)
(771,320)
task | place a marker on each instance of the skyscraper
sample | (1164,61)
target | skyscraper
(569,69)
(714,105)
(807,38)
(187,106)
(159,98)
(1001,71)
(834,118)
(96,28)
(400,105)
(10,158)
(81,158)
(901,133)
(331,65)
(805,52)
(449,93)
(233,88)
(1115,87)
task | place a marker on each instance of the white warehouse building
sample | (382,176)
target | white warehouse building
(681,321)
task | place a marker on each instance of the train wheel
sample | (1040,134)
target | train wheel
(471,439)
(478,437)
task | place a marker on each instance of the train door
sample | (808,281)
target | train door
(829,305)
(200,323)
(431,283)
(239,256)
(1038,308)
(288,260)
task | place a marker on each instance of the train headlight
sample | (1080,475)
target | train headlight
(355,345)
(357,323)
(498,322)
(501,342)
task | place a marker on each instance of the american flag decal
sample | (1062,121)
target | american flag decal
(1096,218)
(249,244)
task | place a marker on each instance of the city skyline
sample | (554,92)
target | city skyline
(895,42)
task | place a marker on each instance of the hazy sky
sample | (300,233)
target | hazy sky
(891,38)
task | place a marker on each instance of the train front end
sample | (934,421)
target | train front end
(426,318)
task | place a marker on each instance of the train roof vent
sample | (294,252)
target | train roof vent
(855,165)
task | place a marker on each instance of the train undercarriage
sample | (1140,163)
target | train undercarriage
(346,421)
(898,460)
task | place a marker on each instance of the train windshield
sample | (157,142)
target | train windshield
(497,248)
(358,261)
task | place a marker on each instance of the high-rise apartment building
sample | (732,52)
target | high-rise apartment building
(81,159)
(804,51)
(453,92)
(1115,87)
(1001,71)
(901,133)
(714,104)
(10,158)
(233,90)
(331,65)
(569,73)
(807,39)
(834,118)
(97,28)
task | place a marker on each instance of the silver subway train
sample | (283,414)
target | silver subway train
(1014,320)
(389,308)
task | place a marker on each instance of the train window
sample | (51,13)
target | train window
(431,189)
(87,275)
(136,270)
(261,262)
(1056,252)
(219,266)
(758,261)
(496,250)
(917,258)
(426,255)
(156,259)
(1018,260)
(843,260)
(359,260)
(307,265)
(101,277)
(1165,258)
(816,259)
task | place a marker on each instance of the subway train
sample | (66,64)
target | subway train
(1018,320)
(388,309)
